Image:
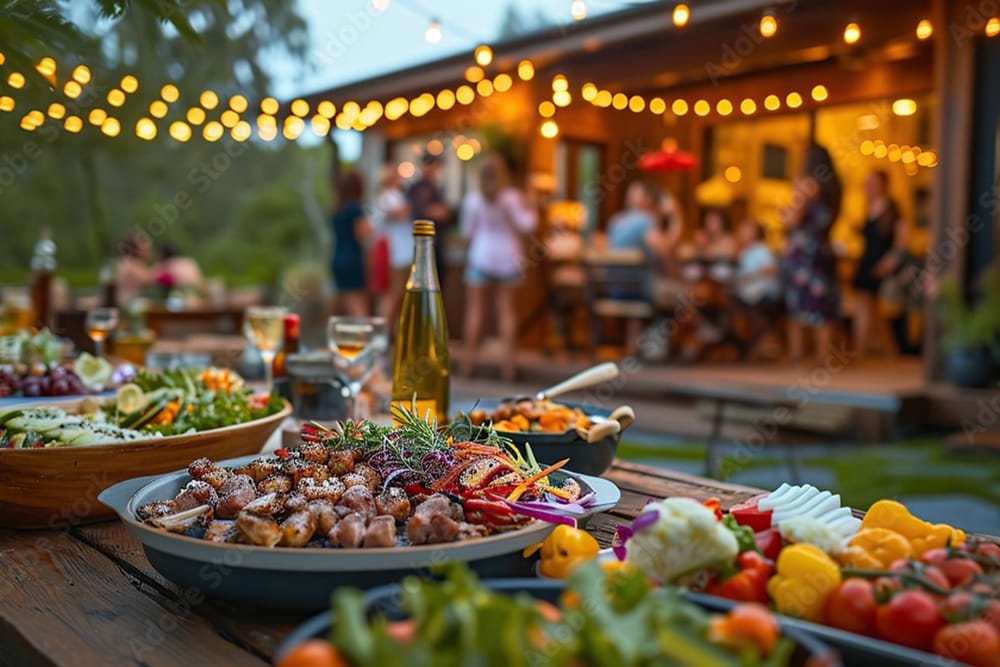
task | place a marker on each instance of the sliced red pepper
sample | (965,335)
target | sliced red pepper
(769,542)
(749,514)
(281,453)
(715,505)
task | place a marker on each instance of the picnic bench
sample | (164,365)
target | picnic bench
(88,596)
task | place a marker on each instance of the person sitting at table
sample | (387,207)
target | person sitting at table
(713,239)
(351,231)
(182,273)
(132,271)
(493,219)
(636,225)
(757,285)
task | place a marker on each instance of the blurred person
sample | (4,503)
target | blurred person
(757,283)
(427,202)
(886,237)
(180,272)
(493,220)
(811,291)
(351,232)
(393,219)
(634,226)
(132,271)
(714,239)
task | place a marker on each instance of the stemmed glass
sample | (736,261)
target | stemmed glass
(100,322)
(358,345)
(265,328)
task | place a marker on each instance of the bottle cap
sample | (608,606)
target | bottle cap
(291,325)
(423,228)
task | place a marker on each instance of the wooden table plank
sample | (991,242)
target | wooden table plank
(64,603)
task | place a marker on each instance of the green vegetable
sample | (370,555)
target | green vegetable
(744,534)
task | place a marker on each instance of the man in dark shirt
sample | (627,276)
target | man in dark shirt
(427,203)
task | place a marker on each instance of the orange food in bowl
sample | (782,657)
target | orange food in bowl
(313,653)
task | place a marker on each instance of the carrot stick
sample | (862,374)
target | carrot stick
(523,486)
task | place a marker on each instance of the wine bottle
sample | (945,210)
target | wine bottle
(421,371)
(291,325)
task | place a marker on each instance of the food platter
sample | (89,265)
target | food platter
(59,486)
(302,578)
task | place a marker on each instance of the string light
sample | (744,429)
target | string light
(793,100)
(229,118)
(242,131)
(180,131)
(562,98)
(819,93)
(867,147)
(560,83)
(474,74)
(679,107)
(578,10)
(603,99)
(464,94)
(502,83)
(485,88)
(525,70)
(300,108)
(483,55)
(681,15)
(588,92)
(213,131)
(111,127)
(396,107)
(116,97)
(993,27)
(657,105)
(904,107)
(97,116)
(129,84)
(158,109)
(73,124)
(57,111)
(434,147)
(145,128)
(852,33)
(169,93)
(81,74)
(268,132)
(636,103)
(768,25)
(546,109)
(195,115)
(619,101)
(3,58)
(209,100)
(924,29)
(269,106)
(293,128)
(326,109)
(549,129)
(320,125)
(72,90)
(733,174)
(6,103)
(772,103)
(702,108)
(465,152)
(748,107)
(46,67)
(15,80)
(433,33)
(723,107)
(238,103)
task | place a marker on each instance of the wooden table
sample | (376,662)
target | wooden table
(88,596)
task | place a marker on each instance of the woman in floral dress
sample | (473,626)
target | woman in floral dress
(811,292)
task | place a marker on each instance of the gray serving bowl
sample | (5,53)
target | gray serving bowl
(303,578)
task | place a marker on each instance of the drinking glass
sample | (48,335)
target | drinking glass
(265,328)
(358,345)
(101,322)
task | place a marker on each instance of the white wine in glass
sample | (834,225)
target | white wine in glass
(265,327)
(100,323)
(358,345)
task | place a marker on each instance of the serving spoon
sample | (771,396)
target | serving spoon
(586,378)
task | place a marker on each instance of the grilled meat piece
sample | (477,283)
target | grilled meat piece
(299,469)
(394,502)
(326,516)
(434,521)
(261,467)
(359,499)
(262,531)
(342,461)
(470,531)
(295,501)
(372,479)
(381,532)
(297,529)
(234,496)
(267,505)
(181,522)
(329,489)
(315,452)
(222,531)
(349,532)
(275,482)
(354,479)
(195,493)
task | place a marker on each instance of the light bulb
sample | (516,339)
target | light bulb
(484,55)
(578,10)
(433,33)
(924,29)
(852,33)
(682,14)
(768,25)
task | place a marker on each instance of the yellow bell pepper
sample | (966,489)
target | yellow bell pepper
(859,558)
(805,579)
(883,545)
(564,550)
(922,535)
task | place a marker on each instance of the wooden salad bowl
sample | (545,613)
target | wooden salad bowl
(57,487)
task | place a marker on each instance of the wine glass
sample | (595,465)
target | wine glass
(265,328)
(358,345)
(100,322)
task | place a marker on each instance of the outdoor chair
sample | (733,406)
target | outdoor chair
(618,287)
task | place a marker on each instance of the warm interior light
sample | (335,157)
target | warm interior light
(525,70)
(549,129)
(852,33)
(866,122)
(484,55)
(434,147)
(145,128)
(768,25)
(924,29)
(682,14)
(904,107)
(733,174)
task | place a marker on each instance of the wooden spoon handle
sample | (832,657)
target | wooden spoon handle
(624,415)
(601,430)
(588,378)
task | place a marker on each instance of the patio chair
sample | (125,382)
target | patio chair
(618,287)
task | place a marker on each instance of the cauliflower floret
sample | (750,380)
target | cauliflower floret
(807,530)
(684,537)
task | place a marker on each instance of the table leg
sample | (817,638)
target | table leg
(714,440)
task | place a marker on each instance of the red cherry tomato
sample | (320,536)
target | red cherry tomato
(988,550)
(975,643)
(958,607)
(910,618)
(960,571)
(992,615)
(929,572)
(852,607)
